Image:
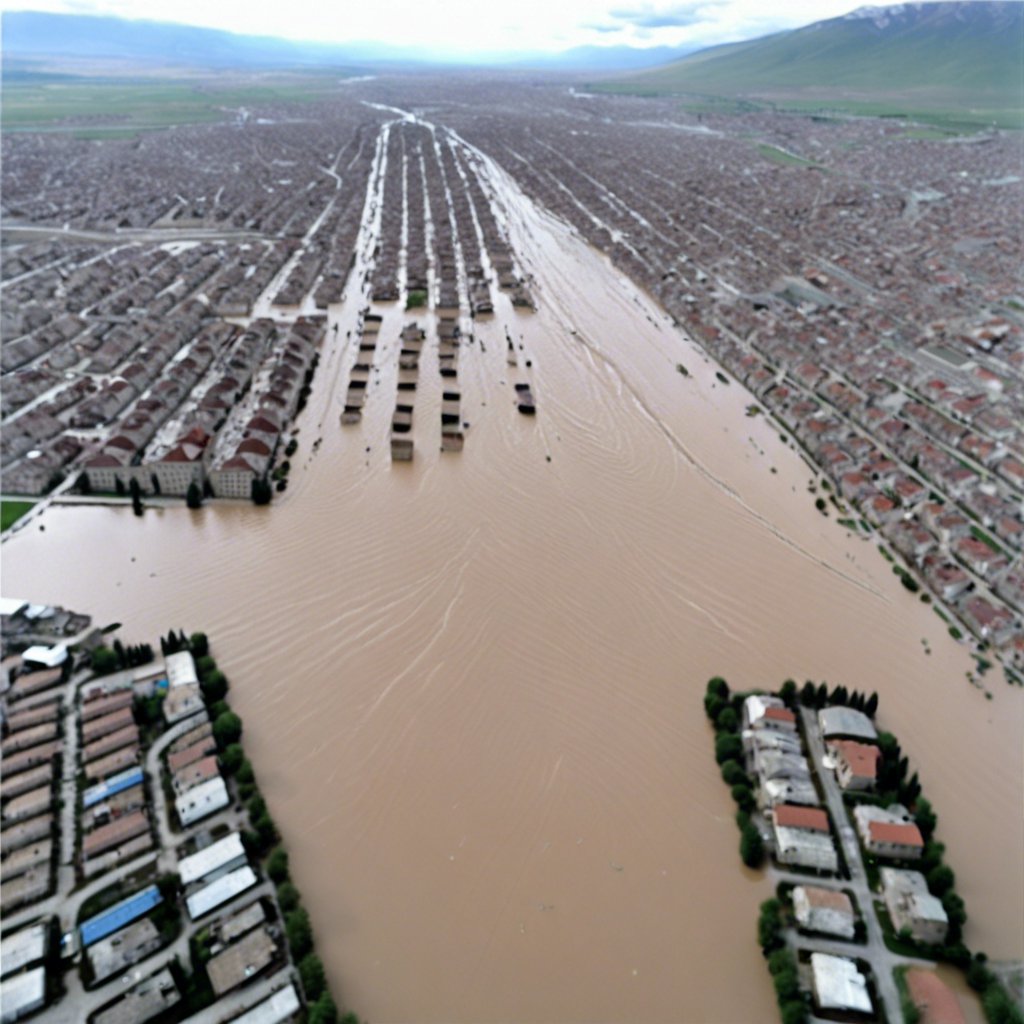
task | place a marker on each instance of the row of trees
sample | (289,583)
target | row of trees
(781,964)
(724,712)
(104,660)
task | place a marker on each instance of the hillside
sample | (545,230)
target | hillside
(941,51)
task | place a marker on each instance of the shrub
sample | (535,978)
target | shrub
(104,661)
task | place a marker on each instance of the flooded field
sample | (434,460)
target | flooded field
(472,684)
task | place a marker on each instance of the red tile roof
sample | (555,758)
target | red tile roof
(780,714)
(893,832)
(812,818)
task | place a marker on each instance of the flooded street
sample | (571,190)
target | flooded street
(472,684)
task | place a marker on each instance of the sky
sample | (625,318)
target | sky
(476,26)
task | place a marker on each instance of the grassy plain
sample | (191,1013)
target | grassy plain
(100,109)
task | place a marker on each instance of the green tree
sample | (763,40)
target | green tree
(751,846)
(743,796)
(808,694)
(194,496)
(136,493)
(727,720)
(941,880)
(299,932)
(733,773)
(925,817)
(277,865)
(261,491)
(323,1011)
(232,757)
(794,1012)
(779,961)
(728,746)
(788,692)
(205,665)
(288,897)
(214,686)
(103,661)
(199,645)
(311,971)
(245,775)
(787,987)
(227,729)
(717,685)
(714,705)
(769,931)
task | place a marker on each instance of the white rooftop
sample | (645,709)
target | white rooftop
(225,888)
(11,605)
(22,948)
(205,862)
(280,1006)
(838,985)
(181,669)
(202,800)
(24,992)
(51,657)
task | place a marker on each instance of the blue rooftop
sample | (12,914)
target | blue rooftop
(120,914)
(109,787)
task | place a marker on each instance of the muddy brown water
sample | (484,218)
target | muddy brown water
(472,685)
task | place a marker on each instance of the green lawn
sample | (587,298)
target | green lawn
(780,156)
(12,511)
(97,109)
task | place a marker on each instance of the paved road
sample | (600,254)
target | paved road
(875,950)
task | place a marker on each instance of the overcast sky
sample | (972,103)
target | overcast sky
(475,26)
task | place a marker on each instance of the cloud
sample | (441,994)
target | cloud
(648,16)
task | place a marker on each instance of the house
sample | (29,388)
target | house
(838,986)
(990,621)
(803,837)
(889,832)
(827,911)
(201,800)
(216,859)
(766,712)
(856,764)
(912,907)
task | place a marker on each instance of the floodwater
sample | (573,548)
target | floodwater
(472,685)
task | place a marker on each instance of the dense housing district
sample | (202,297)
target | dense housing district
(165,297)
(865,905)
(142,876)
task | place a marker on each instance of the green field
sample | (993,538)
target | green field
(12,511)
(105,109)
(780,156)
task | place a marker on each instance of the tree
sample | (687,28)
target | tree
(299,932)
(205,665)
(780,961)
(714,705)
(288,897)
(103,660)
(194,496)
(727,746)
(245,775)
(136,493)
(808,694)
(261,491)
(232,758)
(769,931)
(794,1012)
(751,846)
(323,1011)
(277,865)
(788,693)
(871,705)
(227,729)
(727,720)
(821,696)
(199,645)
(941,880)
(787,988)
(743,796)
(311,971)
(83,485)
(733,773)
(718,686)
